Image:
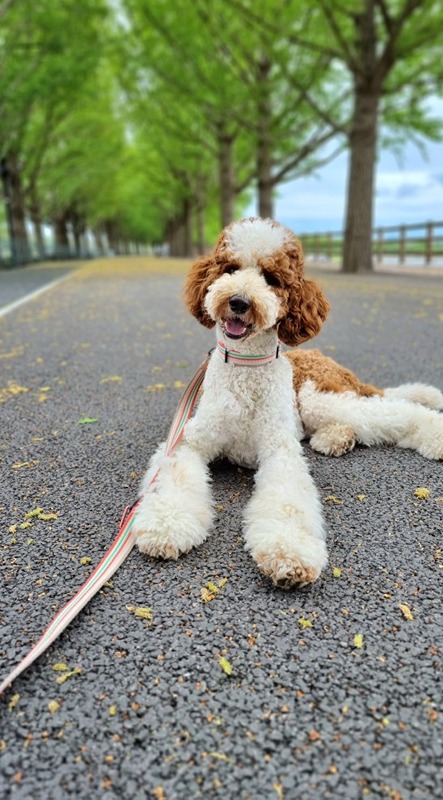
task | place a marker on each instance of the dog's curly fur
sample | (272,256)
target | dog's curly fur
(253,289)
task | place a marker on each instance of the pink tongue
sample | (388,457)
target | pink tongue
(235,326)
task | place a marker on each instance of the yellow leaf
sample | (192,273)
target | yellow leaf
(179,385)
(361,496)
(212,587)
(206,595)
(60,667)
(112,711)
(111,379)
(53,706)
(331,498)
(13,701)
(34,513)
(47,517)
(156,387)
(13,529)
(140,611)
(304,623)
(358,641)
(62,678)
(85,560)
(422,493)
(336,571)
(24,525)
(406,611)
(222,582)
(225,665)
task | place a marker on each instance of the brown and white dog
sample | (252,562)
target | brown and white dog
(257,404)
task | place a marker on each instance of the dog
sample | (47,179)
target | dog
(258,404)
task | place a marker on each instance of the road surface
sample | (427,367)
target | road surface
(335,689)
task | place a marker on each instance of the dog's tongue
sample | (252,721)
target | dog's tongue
(235,327)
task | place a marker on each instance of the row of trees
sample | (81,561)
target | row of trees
(156,121)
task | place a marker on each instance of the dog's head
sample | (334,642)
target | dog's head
(253,281)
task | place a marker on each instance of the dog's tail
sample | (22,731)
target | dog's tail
(420,393)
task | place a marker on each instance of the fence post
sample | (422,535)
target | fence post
(429,242)
(402,250)
(380,233)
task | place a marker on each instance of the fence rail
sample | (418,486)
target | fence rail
(421,244)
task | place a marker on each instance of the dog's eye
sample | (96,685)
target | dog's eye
(231,268)
(270,278)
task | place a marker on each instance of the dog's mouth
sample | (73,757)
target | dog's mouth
(235,328)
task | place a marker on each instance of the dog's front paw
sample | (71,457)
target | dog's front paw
(286,571)
(152,545)
(162,531)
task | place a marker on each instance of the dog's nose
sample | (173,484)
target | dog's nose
(238,304)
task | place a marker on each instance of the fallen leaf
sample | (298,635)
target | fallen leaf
(406,611)
(112,710)
(86,420)
(156,387)
(179,385)
(422,493)
(225,665)
(358,641)
(361,496)
(62,678)
(13,701)
(85,560)
(331,498)
(34,513)
(304,623)
(140,611)
(111,379)
(53,706)
(47,517)
(60,667)
(336,571)
(13,529)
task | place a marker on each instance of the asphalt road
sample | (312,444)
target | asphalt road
(336,689)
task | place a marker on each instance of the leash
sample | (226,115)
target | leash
(120,547)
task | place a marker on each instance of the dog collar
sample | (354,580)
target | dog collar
(246,359)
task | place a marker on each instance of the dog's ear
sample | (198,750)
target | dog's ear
(307,310)
(197,284)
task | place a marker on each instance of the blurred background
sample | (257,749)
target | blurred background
(145,126)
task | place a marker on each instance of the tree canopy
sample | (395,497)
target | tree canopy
(152,123)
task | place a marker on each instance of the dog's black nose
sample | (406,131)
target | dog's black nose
(238,304)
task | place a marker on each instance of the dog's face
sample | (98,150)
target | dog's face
(253,281)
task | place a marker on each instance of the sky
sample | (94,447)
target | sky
(406,193)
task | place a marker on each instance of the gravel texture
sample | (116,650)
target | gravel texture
(334,691)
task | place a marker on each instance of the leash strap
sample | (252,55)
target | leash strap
(120,547)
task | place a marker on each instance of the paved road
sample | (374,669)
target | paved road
(16,284)
(306,713)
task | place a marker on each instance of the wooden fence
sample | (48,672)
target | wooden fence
(406,245)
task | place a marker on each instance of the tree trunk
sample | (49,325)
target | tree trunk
(36,219)
(187,221)
(226,176)
(357,252)
(15,209)
(264,141)
(62,246)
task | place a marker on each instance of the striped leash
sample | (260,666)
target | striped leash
(120,547)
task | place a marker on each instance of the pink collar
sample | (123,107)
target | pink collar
(245,359)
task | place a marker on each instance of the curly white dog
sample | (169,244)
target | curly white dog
(257,405)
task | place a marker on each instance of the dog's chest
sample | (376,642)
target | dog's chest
(240,409)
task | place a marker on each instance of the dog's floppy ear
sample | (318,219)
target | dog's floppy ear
(197,284)
(307,310)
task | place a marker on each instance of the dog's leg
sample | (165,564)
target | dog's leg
(283,520)
(175,512)
(373,420)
